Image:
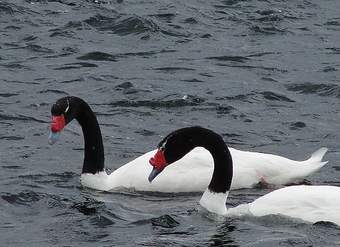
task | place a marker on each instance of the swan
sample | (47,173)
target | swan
(308,203)
(250,167)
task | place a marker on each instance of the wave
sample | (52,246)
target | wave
(239,59)
(98,56)
(11,138)
(20,117)
(75,66)
(173,69)
(26,197)
(256,96)
(173,103)
(319,89)
(121,24)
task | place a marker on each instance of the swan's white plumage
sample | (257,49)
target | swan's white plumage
(214,202)
(308,203)
(249,169)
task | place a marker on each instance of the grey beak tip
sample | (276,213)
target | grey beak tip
(53,137)
(153,174)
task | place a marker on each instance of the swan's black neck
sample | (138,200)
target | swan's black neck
(184,140)
(94,150)
(223,165)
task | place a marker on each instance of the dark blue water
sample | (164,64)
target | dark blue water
(264,74)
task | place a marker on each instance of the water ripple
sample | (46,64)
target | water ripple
(55,91)
(11,138)
(122,25)
(6,8)
(67,30)
(319,89)
(167,17)
(173,69)
(297,125)
(267,29)
(186,101)
(98,56)
(60,180)
(69,66)
(239,59)
(334,50)
(8,95)
(258,96)
(26,197)
(165,221)
(20,118)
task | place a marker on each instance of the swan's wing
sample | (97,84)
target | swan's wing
(274,169)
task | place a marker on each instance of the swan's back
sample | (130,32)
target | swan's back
(272,169)
(309,203)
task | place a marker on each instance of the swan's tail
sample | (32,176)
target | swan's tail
(317,156)
(308,167)
(315,161)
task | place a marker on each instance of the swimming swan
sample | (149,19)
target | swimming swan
(309,203)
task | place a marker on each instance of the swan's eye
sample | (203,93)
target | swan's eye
(162,147)
(68,107)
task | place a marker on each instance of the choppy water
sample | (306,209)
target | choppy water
(265,74)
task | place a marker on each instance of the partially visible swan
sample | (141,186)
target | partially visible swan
(309,203)
(250,167)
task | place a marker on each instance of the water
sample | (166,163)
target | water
(264,74)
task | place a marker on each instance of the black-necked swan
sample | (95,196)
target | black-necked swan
(250,167)
(309,203)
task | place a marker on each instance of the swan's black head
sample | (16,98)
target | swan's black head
(175,146)
(63,112)
(179,143)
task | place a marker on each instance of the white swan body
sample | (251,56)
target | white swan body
(308,203)
(250,168)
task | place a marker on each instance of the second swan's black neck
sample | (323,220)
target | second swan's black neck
(223,166)
(184,140)
(94,149)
